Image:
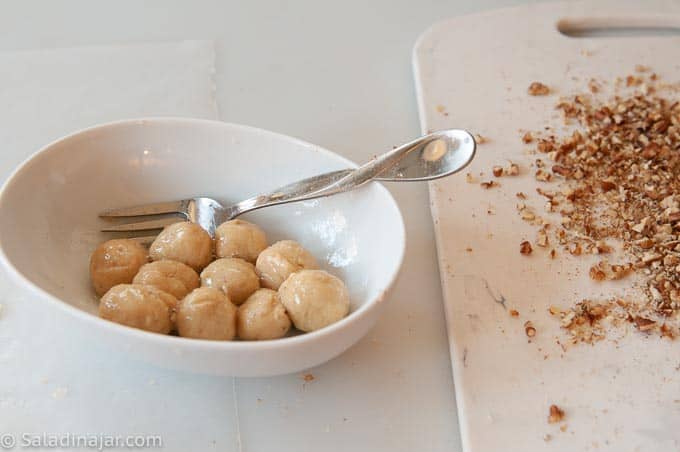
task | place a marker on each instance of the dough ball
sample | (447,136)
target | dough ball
(262,316)
(143,307)
(235,277)
(173,277)
(279,261)
(238,238)
(183,242)
(206,313)
(116,262)
(314,299)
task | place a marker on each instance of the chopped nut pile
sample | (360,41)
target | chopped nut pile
(615,179)
(614,182)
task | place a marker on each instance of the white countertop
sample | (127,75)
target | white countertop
(336,74)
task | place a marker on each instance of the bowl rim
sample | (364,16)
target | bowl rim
(177,341)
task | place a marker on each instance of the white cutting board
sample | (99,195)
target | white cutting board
(473,72)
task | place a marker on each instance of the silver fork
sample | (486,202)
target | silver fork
(429,157)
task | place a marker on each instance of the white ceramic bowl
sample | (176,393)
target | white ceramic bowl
(49,226)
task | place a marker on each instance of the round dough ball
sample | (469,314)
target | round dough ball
(173,277)
(262,316)
(116,262)
(143,307)
(279,261)
(235,277)
(314,299)
(238,238)
(206,313)
(183,242)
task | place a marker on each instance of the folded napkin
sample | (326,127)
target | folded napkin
(52,379)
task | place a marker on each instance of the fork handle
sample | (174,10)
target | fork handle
(328,184)
(391,166)
(310,188)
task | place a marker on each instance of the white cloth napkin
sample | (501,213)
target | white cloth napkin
(56,381)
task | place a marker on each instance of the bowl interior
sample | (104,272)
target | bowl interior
(50,226)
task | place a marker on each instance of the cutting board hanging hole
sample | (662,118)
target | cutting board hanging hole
(619,27)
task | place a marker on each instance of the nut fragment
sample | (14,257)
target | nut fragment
(597,274)
(527,214)
(529,329)
(555,415)
(538,89)
(644,324)
(542,175)
(525,248)
(605,271)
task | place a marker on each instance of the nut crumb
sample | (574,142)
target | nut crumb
(489,184)
(527,214)
(542,175)
(308,377)
(529,329)
(514,313)
(554,310)
(593,86)
(527,137)
(556,415)
(525,248)
(575,249)
(605,271)
(479,139)
(644,324)
(512,170)
(538,89)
